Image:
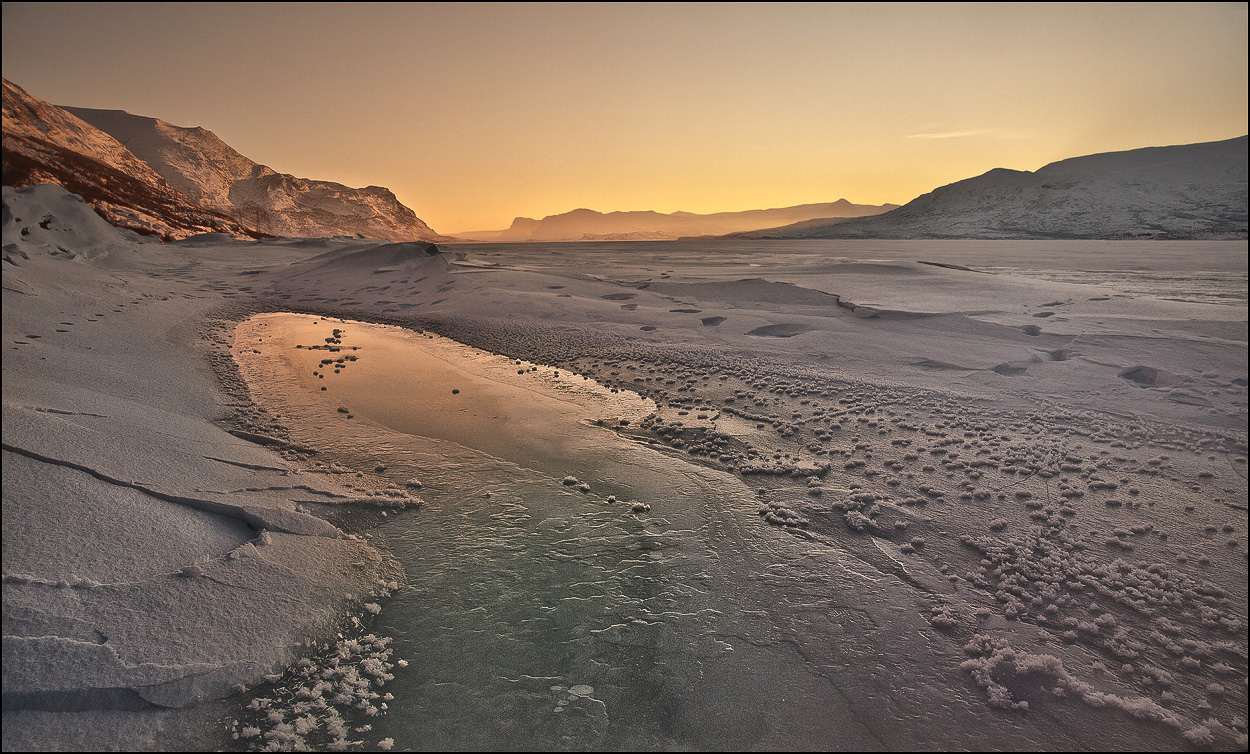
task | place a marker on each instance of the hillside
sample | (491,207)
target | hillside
(1191,191)
(46,144)
(159,179)
(204,168)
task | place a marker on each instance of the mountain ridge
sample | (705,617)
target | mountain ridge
(584,224)
(1182,191)
(196,162)
(154,177)
(46,144)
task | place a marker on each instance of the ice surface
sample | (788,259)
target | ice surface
(136,571)
(951,524)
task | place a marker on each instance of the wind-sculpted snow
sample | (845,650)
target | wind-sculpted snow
(987,475)
(954,524)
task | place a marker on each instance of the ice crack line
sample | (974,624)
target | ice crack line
(223,509)
(63,412)
(252,466)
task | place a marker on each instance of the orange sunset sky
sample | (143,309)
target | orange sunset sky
(476,113)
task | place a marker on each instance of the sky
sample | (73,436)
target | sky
(474,114)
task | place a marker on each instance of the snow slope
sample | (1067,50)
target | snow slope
(1191,191)
(152,559)
(203,167)
(45,144)
(912,496)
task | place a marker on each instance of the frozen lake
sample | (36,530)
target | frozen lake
(881,495)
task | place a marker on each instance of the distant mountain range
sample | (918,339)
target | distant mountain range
(157,178)
(1191,191)
(154,177)
(589,225)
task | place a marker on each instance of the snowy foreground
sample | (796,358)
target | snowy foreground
(711,495)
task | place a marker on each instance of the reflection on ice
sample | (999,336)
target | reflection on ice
(927,567)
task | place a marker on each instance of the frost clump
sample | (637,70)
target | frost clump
(992,656)
(858,521)
(306,708)
(1199,736)
(943,616)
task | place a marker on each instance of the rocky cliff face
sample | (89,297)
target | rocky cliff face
(1190,191)
(203,167)
(46,144)
(154,177)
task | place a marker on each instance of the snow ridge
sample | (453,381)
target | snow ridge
(1190,191)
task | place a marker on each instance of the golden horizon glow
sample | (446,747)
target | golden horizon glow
(477,113)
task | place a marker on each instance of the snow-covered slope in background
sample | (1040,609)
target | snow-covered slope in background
(206,169)
(45,144)
(1191,191)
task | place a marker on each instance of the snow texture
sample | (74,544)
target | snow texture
(1190,191)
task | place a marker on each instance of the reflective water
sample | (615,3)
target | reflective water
(572,587)
(541,616)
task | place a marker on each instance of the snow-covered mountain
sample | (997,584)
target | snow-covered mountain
(589,225)
(154,177)
(1190,191)
(206,169)
(45,144)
